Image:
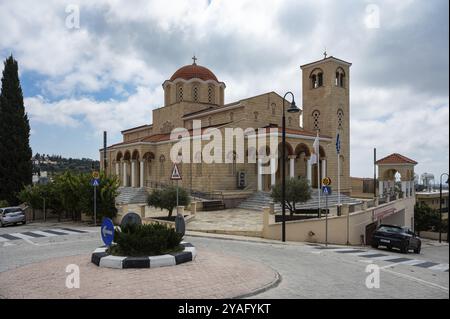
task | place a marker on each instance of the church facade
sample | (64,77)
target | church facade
(194,93)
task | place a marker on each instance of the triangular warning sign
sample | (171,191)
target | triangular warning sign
(175,173)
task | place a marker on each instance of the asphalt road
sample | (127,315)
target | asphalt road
(306,271)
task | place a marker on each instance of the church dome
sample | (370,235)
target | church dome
(191,71)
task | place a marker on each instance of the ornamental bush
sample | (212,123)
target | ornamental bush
(145,240)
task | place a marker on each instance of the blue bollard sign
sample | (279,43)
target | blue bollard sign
(107,231)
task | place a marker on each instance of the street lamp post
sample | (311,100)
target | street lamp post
(292,109)
(440,206)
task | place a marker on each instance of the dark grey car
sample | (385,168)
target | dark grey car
(12,215)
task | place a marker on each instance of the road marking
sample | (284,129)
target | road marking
(353,251)
(430,284)
(74,230)
(441,267)
(3,239)
(426,264)
(64,231)
(43,234)
(9,237)
(54,232)
(32,234)
(24,237)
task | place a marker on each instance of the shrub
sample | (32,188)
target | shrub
(167,198)
(145,240)
(297,191)
(4,203)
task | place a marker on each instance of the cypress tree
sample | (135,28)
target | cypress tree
(15,151)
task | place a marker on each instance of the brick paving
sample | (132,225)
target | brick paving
(210,275)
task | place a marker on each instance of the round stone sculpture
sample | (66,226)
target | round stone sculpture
(131,218)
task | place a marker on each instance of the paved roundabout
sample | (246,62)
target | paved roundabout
(209,275)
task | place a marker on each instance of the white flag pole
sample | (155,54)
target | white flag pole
(317,150)
(338,149)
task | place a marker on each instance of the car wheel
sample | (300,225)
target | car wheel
(24,222)
(2,225)
(389,247)
(374,245)
(404,248)
(417,250)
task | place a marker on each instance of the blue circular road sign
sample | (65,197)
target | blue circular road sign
(107,231)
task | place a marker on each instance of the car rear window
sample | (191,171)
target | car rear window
(13,210)
(390,229)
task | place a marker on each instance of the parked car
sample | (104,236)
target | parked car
(392,236)
(12,215)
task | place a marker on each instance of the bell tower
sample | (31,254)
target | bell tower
(326,107)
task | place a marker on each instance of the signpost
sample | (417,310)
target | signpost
(107,231)
(326,189)
(176,176)
(338,151)
(95,182)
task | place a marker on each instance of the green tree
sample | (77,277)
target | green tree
(166,198)
(15,151)
(297,191)
(425,218)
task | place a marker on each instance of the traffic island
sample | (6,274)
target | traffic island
(210,275)
(102,258)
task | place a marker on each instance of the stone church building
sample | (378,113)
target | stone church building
(193,92)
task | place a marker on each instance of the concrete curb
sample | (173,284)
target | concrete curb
(102,259)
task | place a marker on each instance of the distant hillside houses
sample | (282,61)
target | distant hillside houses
(45,166)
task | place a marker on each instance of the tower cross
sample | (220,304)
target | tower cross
(194,59)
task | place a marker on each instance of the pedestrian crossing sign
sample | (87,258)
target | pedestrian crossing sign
(95,182)
(175,173)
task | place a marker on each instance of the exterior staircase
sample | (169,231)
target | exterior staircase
(131,195)
(259,200)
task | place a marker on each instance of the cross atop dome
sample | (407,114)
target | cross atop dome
(194,59)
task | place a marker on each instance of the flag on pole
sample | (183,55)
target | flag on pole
(315,151)
(338,143)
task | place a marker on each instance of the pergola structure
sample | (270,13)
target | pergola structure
(391,166)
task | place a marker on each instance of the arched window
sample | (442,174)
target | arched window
(273,108)
(231,116)
(340,78)
(256,115)
(316,78)
(340,118)
(195,93)
(210,94)
(209,121)
(179,93)
(289,121)
(316,119)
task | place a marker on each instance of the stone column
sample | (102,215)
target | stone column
(323,170)
(124,177)
(291,166)
(413,190)
(117,168)
(404,189)
(309,171)
(381,188)
(141,173)
(259,174)
(272,171)
(133,173)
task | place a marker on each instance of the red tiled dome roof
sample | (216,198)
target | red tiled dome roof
(191,71)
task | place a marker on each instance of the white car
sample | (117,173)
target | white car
(12,215)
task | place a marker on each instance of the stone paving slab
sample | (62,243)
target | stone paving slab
(210,275)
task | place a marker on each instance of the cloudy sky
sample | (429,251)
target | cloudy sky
(106,73)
